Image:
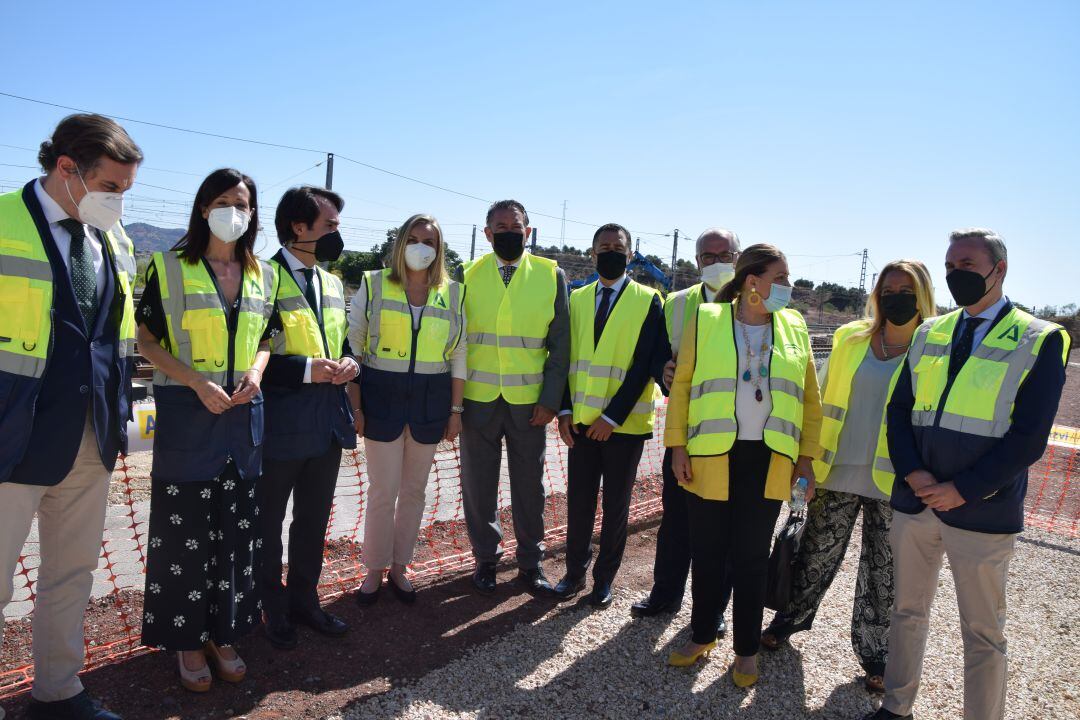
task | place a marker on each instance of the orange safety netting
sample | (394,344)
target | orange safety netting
(115,611)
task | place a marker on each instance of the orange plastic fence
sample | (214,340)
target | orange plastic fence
(113,618)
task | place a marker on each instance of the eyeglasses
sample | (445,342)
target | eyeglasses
(724,257)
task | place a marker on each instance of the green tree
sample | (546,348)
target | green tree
(804,283)
(352,265)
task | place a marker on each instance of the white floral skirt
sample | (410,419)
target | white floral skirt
(201,563)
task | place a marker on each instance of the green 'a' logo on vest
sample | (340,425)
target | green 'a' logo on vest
(439,300)
(1013,334)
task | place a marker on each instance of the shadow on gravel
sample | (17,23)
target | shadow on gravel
(387,644)
(841,700)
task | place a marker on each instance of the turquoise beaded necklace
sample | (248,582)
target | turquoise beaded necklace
(763,367)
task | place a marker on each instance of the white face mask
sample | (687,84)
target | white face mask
(101,210)
(419,256)
(228,223)
(717,274)
(779,297)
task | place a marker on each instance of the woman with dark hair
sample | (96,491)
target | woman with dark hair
(743,424)
(855,473)
(203,322)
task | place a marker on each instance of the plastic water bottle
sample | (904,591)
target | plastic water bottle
(798,495)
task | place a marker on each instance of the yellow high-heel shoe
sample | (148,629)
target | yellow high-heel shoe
(743,680)
(677,659)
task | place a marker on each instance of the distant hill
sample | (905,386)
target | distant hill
(150,238)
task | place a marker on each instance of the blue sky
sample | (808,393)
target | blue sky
(823,127)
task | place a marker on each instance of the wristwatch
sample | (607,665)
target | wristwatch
(457,409)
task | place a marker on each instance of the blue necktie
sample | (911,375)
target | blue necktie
(602,314)
(962,349)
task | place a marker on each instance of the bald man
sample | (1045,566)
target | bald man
(716,253)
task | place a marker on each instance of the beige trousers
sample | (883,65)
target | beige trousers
(980,568)
(397,474)
(71,519)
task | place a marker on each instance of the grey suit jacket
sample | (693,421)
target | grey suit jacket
(556,368)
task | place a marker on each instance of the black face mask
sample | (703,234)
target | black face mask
(327,248)
(899,308)
(967,286)
(611,264)
(508,245)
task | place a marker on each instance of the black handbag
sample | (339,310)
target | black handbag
(782,562)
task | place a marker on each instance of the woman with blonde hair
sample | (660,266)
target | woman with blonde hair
(855,474)
(742,425)
(408,321)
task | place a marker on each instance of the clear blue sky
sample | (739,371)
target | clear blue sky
(820,127)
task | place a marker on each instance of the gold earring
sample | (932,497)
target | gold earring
(754,298)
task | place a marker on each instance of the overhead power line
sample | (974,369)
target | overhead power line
(285,146)
(164,126)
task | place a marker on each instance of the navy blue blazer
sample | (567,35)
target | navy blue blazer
(302,418)
(42,426)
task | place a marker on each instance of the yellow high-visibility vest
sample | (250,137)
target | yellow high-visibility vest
(597,372)
(679,307)
(712,426)
(981,398)
(197,321)
(508,328)
(847,355)
(301,335)
(26,289)
(390,326)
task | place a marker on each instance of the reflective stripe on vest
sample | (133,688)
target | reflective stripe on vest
(678,309)
(508,328)
(390,326)
(981,398)
(198,333)
(302,335)
(26,289)
(712,427)
(597,370)
(848,353)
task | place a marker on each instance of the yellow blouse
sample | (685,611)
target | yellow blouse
(709,474)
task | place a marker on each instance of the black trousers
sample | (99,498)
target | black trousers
(738,530)
(311,482)
(672,564)
(615,463)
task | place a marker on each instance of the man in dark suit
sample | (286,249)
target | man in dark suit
(308,420)
(972,410)
(518,354)
(66,359)
(619,345)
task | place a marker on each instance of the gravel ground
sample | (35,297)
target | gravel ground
(573,661)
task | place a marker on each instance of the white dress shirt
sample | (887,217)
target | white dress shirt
(617,286)
(53,215)
(988,316)
(297,267)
